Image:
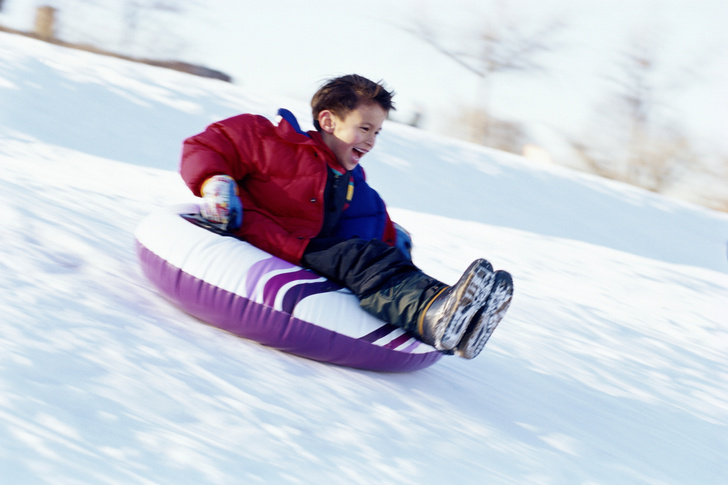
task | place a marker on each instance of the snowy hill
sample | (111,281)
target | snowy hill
(610,367)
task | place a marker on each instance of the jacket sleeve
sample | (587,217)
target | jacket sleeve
(224,148)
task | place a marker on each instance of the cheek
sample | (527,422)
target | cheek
(348,136)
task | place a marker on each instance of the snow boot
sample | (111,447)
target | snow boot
(446,317)
(487,318)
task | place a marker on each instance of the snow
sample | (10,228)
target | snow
(610,366)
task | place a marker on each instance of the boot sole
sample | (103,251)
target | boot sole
(488,317)
(468,296)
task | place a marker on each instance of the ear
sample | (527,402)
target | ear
(327,120)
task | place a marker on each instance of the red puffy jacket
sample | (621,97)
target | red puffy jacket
(281,174)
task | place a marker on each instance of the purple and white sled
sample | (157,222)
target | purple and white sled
(239,288)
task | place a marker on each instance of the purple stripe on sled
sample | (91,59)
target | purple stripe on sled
(398,341)
(299,292)
(411,347)
(274,285)
(260,268)
(381,332)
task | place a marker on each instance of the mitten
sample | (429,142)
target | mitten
(220,202)
(404,240)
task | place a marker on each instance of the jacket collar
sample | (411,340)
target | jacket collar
(290,130)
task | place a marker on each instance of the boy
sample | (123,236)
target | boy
(302,196)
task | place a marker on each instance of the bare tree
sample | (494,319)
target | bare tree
(635,140)
(720,202)
(133,11)
(501,43)
(486,129)
(140,23)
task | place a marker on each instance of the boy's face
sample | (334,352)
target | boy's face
(351,137)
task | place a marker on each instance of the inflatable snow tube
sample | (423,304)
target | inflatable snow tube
(239,288)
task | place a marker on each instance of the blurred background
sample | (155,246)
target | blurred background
(632,90)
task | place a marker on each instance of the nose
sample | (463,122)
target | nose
(371,140)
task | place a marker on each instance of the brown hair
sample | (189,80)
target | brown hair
(344,94)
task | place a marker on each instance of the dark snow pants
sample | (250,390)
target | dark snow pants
(387,283)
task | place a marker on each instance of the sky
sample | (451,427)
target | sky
(275,49)
(290,47)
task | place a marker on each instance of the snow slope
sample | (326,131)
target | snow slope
(610,367)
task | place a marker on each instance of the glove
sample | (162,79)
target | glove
(404,241)
(220,202)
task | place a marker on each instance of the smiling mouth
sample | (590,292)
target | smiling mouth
(358,153)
